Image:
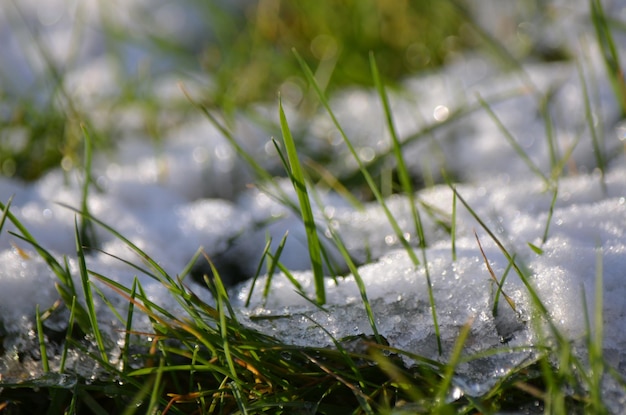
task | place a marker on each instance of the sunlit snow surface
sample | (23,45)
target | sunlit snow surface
(192,192)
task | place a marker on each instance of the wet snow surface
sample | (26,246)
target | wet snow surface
(192,191)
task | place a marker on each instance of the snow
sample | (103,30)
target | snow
(191,191)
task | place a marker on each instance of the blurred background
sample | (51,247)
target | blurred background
(67,62)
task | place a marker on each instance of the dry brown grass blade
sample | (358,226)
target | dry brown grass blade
(493,275)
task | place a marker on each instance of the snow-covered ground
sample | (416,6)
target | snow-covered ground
(192,191)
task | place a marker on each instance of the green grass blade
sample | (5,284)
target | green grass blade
(42,341)
(511,140)
(28,237)
(164,277)
(129,322)
(453,361)
(68,336)
(609,52)
(349,361)
(359,282)
(65,287)
(257,273)
(239,398)
(596,340)
(362,168)
(157,387)
(126,293)
(87,231)
(293,280)
(89,300)
(223,304)
(272,264)
(555,193)
(427,131)
(5,211)
(536,301)
(495,280)
(260,172)
(297,176)
(496,299)
(405,181)
(507,255)
(598,150)
(453,228)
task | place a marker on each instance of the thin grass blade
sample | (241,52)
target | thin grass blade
(89,301)
(273,264)
(42,341)
(609,52)
(405,181)
(493,275)
(511,140)
(453,362)
(298,180)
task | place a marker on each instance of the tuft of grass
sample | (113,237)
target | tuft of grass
(368,178)
(206,360)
